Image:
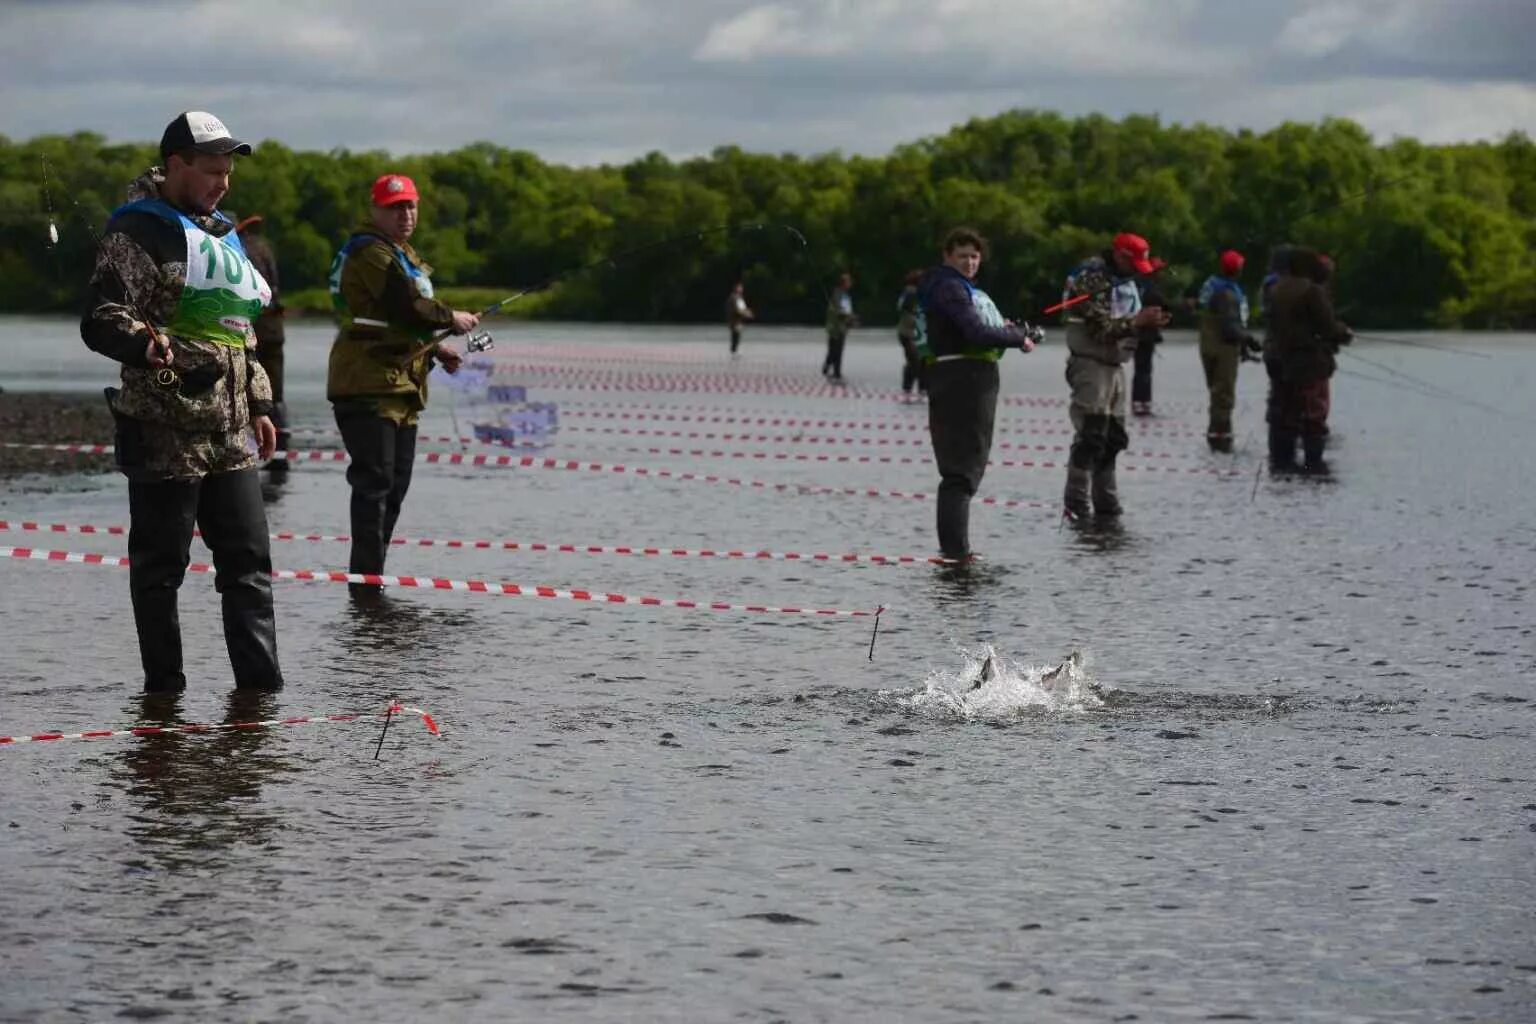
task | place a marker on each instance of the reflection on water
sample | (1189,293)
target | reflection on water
(198,793)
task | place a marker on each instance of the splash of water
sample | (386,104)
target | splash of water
(988,686)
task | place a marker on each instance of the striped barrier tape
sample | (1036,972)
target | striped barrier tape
(166,730)
(906,460)
(638,550)
(467,586)
(573,465)
(864,442)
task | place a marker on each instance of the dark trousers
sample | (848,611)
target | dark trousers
(912,373)
(735,338)
(383,454)
(962,410)
(833,364)
(1141,381)
(227,507)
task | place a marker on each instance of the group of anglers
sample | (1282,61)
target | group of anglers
(185,302)
(177,297)
(952,337)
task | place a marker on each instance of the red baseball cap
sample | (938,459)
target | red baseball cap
(1232,263)
(1137,249)
(390,189)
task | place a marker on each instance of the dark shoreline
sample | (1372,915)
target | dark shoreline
(45,417)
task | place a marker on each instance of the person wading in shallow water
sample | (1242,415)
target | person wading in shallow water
(737,313)
(172,299)
(961,336)
(377,380)
(1224,343)
(1101,336)
(1300,344)
(269,327)
(840,320)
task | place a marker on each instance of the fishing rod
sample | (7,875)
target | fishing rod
(1423,344)
(482,341)
(165,377)
(1423,387)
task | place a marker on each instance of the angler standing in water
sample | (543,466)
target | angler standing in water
(1147,340)
(1101,335)
(377,380)
(907,310)
(1300,345)
(1224,343)
(840,319)
(737,313)
(172,299)
(269,327)
(961,336)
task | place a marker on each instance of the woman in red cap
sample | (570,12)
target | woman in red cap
(1224,342)
(377,380)
(1102,324)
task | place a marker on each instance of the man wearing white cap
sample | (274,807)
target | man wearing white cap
(173,299)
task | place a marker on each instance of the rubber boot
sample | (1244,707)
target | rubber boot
(1312,445)
(1074,501)
(1106,496)
(954,521)
(1282,450)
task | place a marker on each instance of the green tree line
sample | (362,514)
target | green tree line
(1422,235)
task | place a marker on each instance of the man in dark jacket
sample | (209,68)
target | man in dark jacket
(1301,341)
(269,326)
(1147,340)
(173,297)
(961,336)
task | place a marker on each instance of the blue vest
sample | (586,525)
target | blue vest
(1216,283)
(417,276)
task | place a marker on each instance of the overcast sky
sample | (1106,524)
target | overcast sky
(584,81)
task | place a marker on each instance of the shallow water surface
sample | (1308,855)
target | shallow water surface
(1291,779)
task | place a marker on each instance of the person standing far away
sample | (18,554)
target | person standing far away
(907,309)
(737,313)
(1301,342)
(1224,343)
(269,327)
(1101,336)
(840,319)
(961,336)
(172,299)
(1147,340)
(381,291)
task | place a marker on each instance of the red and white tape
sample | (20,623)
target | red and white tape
(166,730)
(467,586)
(864,442)
(875,421)
(907,460)
(637,550)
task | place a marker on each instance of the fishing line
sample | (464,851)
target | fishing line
(1429,389)
(613,260)
(1423,344)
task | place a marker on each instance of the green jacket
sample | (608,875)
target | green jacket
(382,294)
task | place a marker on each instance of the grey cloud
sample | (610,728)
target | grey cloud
(605,80)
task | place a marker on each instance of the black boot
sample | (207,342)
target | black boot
(1106,496)
(1282,450)
(954,520)
(1312,445)
(1074,500)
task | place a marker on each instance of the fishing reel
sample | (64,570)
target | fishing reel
(480,341)
(1035,334)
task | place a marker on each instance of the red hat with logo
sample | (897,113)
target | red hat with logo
(1232,263)
(1137,249)
(390,189)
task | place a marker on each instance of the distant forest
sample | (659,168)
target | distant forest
(1423,236)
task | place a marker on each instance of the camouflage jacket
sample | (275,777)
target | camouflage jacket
(1099,327)
(202,423)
